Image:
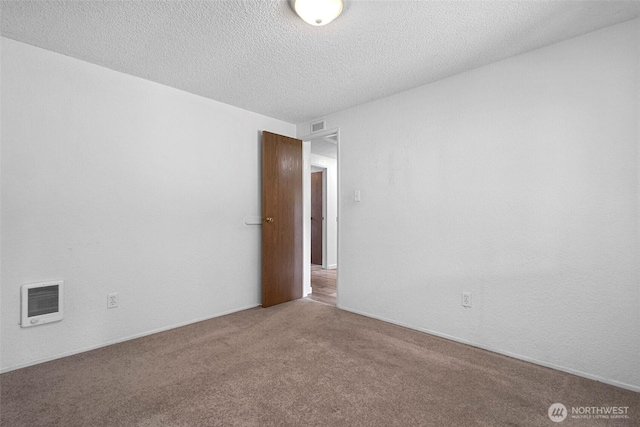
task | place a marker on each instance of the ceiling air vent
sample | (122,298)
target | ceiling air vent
(318,126)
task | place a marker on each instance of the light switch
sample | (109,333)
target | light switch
(356,195)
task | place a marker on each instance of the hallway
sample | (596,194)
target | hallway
(323,284)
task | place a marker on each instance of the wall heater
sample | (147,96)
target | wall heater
(41,303)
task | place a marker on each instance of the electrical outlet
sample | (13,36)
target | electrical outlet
(112,300)
(466,299)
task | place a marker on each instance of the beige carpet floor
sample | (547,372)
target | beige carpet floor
(297,364)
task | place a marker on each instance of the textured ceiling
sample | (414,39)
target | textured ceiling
(258,55)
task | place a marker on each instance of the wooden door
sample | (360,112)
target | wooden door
(282,219)
(316,218)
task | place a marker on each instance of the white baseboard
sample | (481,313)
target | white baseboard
(499,351)
(428,331)
(332,266)
(119,340)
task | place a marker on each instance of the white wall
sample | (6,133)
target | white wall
(517,182)
(306,213)
(330,247)
(117,184)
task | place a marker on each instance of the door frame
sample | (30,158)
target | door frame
(306,197)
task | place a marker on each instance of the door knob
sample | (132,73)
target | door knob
(269,219)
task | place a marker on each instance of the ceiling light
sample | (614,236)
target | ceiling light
(318,12)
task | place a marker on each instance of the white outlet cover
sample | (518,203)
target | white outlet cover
(112,300)
(466,299)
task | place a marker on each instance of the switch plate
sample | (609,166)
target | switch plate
(356,195)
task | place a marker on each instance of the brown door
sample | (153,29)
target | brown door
(316,218)
(282,219)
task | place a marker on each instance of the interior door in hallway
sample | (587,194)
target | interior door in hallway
(282,219)
(316,218)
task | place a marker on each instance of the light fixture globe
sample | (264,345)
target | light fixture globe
(318,12)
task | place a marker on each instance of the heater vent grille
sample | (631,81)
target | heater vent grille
(41,303)
(318,126)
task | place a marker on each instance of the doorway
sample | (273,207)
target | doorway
(321,216)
